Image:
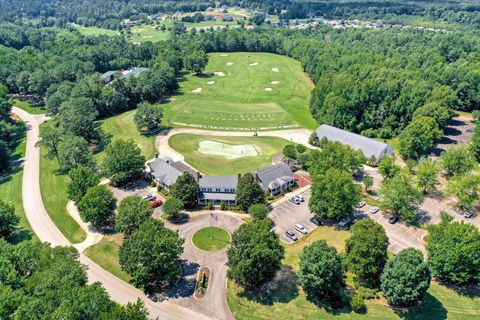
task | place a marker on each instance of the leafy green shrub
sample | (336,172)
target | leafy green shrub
(358,304)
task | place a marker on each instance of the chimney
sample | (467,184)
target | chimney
(156,155)
(239,175)
(198,176)
(288,162)
(256,176)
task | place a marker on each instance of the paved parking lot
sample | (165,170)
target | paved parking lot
(140,188)
(287,214)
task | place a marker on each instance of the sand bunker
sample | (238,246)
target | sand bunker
(224,55)
(254,64)
(219,73)
(268,89)
(229,63)
(210,82)
(275,82)
(198,90)
(275,70)
(227,151)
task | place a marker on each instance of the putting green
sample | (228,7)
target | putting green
(211,239)
(234,96)
(208,154)
(227,151)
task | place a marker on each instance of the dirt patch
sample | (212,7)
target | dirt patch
(211,82)
(229,63)
(275,82)
(275,70)
(198,90)
(254,64)
(219,73)
(268,89)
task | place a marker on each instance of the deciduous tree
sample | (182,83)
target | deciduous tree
(147,116)
(172,207)
(150,255)
(98,207)
(465,188)
(366,251)
(81,179)
(419,137)
(255,254)
(388,168)
(186,189)
(457,161)
(406,278)
(334,194)
(123,161)
(258,211)
(249,192)
(8,219)
(131,213)
(427,175)
(321,272)
(73,152)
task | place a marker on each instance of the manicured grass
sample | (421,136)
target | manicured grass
(211,239)
(94,31)
(187,145)
(287,301)
(11,191)
(53,187)
(145,32)
(25,106)
(238,100)
(122,127)
(106,254)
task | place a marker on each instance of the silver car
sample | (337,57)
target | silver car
(373,210)
(301,228)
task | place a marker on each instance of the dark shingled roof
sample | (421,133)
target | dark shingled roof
(273,176)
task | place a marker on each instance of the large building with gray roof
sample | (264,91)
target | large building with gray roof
(369,147)
(217,189)
(165,171)
(275,178)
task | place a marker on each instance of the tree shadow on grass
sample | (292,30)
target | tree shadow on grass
(335,305)
(20,235)
(431,308)
(282,289)
(469,291)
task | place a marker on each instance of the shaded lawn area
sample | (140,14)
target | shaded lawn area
(53,187)
(25,106)
(211,239)
(11,191)
(106,254)
(187,145)
(287,302)
(94,31)
(122,127)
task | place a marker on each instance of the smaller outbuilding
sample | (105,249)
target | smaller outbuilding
(371,148)
(276,178)
(108,76)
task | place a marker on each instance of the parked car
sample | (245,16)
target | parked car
(360,205)
(345,223)
(468,214)
(291,235)
(300,197)
(316,221)
(156,203)
(149,197)
(152,297)
(294,200)
(393,219)
(300,228)
(372,210)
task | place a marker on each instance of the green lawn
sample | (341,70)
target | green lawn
(106,254)
(289,299)
(94,31)
(145,32)
(211,239)
(188,144)
(54,194)
(25,106)
(122,127)
(239,100)
(11,191)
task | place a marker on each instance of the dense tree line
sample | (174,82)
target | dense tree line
(10,130)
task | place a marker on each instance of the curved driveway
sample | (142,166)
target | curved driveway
(47,231)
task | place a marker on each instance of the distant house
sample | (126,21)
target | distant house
(227,18)
(134,72)
(275,179)
(224,7)
(166,172)
(217,189)
(370,147)
(210,17)
(108,76)
(210,9)
(131,23)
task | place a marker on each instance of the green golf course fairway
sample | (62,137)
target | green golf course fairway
(244,91)
(211,239)
(214,164)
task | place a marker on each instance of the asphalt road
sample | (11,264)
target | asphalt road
(47,231)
